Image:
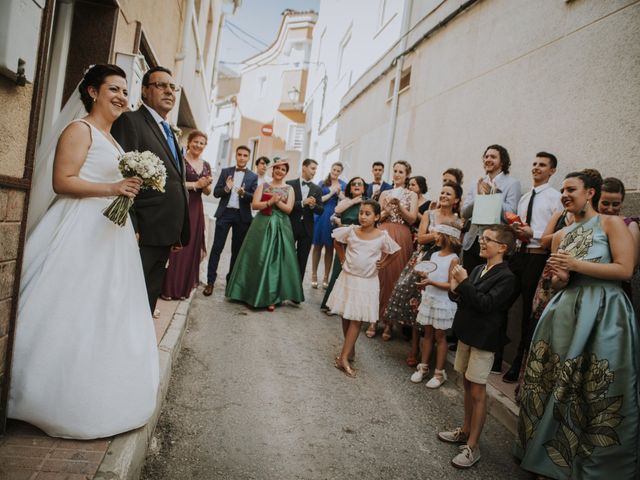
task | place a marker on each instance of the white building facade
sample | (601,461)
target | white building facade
(348,39)
(557,75)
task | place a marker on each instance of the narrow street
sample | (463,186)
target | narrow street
(255,396)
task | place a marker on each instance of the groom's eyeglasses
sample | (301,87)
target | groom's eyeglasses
(165,85)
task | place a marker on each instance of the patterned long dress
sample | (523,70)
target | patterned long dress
(401,234)
(579,408)
(406,296)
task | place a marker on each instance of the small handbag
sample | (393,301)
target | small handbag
(266,196)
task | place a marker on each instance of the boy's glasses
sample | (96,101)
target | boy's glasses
(485,239)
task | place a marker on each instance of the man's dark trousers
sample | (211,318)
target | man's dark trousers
(229,220)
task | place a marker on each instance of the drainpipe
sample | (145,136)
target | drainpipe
(406,19)
(182,54)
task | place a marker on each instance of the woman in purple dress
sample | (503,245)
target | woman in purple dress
(184,265)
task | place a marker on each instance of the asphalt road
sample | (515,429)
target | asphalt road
(255,395)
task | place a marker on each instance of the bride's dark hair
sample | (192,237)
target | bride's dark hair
(94,77)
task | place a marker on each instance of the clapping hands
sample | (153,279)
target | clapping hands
(484,187)
(561,264)
(458,275)
(203,182)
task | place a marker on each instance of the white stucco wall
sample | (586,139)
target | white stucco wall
(552,75)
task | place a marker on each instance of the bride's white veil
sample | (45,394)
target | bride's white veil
(42,194)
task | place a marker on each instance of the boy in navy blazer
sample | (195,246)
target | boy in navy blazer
(234,188)
(484,298)
(377,185)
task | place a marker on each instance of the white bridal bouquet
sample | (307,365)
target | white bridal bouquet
(146,166)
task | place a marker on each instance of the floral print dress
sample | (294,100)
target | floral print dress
(579,409)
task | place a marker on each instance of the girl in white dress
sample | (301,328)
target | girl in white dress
(436,310)
(85,359)
(356,292)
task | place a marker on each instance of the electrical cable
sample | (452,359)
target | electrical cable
(231,24)
(259,49)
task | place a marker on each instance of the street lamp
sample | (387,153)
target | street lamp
(294,94)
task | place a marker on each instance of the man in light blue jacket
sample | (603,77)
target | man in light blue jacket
(496,163)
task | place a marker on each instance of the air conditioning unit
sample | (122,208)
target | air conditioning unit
(134,66)
(19,37)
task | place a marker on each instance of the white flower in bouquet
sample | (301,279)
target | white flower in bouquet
(149,168)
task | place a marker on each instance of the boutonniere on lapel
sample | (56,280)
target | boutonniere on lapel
(176,131)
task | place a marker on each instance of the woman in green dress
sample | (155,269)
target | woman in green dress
(346,213)
(266,272)
(579,409)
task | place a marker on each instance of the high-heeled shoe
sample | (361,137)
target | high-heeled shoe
(271,308)
(371,331)
(386,334)
(325,284)
(314,281)
(348,371)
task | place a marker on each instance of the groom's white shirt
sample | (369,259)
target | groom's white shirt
(156,116)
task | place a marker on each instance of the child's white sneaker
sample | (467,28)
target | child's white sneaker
(421,371)
(454,436)
(466,458)
(439,377)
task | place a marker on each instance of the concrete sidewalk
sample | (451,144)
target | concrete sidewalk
(27,453)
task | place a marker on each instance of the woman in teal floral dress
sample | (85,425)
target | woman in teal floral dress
(579,408)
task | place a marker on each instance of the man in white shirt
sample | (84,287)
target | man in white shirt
(234,188)
(308,203)
(535,210)
(261,169)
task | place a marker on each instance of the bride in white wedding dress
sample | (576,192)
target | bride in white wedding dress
(85,359)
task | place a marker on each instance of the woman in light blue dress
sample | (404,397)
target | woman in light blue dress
(579,410)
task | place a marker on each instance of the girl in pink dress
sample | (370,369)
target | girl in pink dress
(355,294)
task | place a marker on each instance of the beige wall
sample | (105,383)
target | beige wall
(14,128)
(14,125)
(532,76)
(162,25)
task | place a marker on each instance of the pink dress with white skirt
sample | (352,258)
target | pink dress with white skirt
(356,292)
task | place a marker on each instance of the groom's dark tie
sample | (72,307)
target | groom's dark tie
(172,143)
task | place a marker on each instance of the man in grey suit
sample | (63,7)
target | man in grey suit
(496,163)
(161,220)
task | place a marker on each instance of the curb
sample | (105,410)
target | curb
(127,452)
(499,406)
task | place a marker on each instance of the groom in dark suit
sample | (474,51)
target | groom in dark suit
(234,188)
(307,204)
(161,220)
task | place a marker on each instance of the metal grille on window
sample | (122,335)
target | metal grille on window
(295,137)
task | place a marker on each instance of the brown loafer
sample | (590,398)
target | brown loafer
(208,290)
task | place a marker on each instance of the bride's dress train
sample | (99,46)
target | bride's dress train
(85,359)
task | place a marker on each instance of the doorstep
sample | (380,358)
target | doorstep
(27,453)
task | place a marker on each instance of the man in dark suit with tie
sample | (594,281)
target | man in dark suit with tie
(377,185)
(234,188)
(307,204)
(161,220)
